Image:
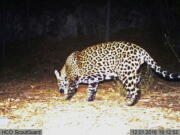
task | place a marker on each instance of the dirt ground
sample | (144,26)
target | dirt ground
(38,105)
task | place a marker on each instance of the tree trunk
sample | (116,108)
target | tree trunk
(108,14)
(4,20)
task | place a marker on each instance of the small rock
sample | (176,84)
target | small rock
(4,121)
(1,104)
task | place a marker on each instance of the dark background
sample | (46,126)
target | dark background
(37,36)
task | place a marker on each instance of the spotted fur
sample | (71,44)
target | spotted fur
(106,61)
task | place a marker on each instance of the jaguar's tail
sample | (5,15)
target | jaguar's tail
(165,74)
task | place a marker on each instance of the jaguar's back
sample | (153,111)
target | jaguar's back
(115,57)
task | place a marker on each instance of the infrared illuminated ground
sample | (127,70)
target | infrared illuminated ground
(40,106)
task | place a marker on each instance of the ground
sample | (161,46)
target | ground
(36,104)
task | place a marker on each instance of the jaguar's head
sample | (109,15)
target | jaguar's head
(62,81)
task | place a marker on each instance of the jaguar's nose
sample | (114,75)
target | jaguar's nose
(61,91)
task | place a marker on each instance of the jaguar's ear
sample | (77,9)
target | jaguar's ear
(57,74)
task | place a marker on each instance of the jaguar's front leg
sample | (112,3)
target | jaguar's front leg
(72,90)
(71,93)
(92,89)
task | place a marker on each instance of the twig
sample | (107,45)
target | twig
(171,47)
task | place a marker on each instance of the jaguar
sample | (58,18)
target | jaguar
(107,61)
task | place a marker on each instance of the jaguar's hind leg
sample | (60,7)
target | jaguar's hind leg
(133,96)
(133,92)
